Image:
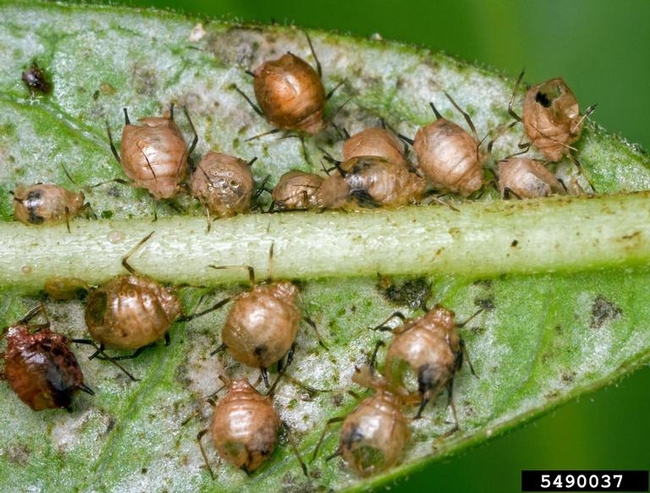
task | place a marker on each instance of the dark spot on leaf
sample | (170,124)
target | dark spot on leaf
(485,302)
(514,243)
(603,311)
(413,293)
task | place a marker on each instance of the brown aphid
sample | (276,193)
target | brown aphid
(448,156)
(551,118)
(36,79)
(154,155)
(290,94)
(296,190)
(131,311)
(39,365)
(424,356)
(374,435)
(262,324)
(372,182)
(65,288)
(527,178)
(244,427)
(377,142)
(223,183)
(46,204)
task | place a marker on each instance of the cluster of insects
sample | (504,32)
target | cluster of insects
(378,168)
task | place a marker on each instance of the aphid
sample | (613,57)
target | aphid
(39,365)
(290,93)
(154,154)
(65,288)
(46,204)
(551,117)
(131,311)
(424,356)
(296,190)
(244,427)
(373,436)
(224,184)
(448,156)
(35,79)
(527,178)
(377,142)
(261,326)
(372,182)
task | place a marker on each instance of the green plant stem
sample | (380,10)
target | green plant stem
(477,241)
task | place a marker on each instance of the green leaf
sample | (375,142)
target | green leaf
(563,280)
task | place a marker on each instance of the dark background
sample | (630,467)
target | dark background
(601,48)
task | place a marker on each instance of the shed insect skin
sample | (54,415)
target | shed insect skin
(296,190)
(223,183)
(46,204)
(551,117)
(39,365)
(36,79)
(527,178)
(244,427)
(429,348)
(154,154)
(448,156)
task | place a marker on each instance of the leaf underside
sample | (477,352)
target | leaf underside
(540,341)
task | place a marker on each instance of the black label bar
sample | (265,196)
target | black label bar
(584,481)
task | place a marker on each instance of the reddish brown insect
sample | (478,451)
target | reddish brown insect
(527,178)
(428,352)
(36,79)
(370,181)
(290,94)
(224,184)
(374,435)
(39,365)
(154,154)
(244,427)
(378,142)
(46,204)
(131,311)
(261,326)
(296,190)
(448,156)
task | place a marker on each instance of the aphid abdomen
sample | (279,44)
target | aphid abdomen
(154,155)
(245,427)
(374,435)
(448,156)
(131,312)
(262,324)
(290,94)
(46,204)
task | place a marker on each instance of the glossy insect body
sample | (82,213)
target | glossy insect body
(377,142)
(427,348)
(262,324)
(290,94)
(551,118)
(374,435)
(296,190)
(372,181)
(36,79)
(40,367)
(449,157)
(527,178)
(131,312)
(245,426)
(46,204)
(153,154)
(223,183)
